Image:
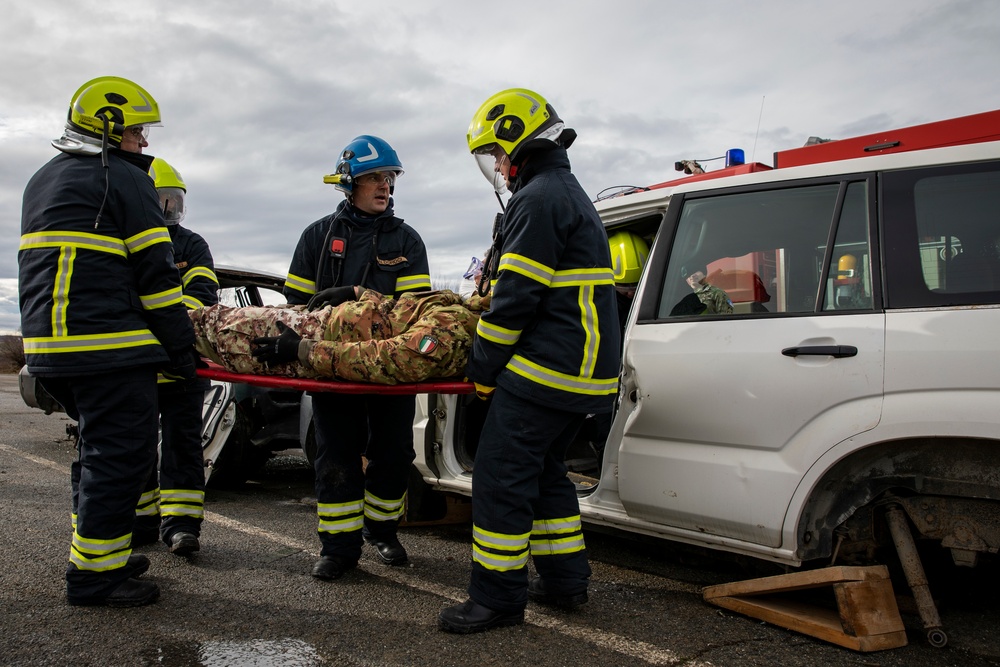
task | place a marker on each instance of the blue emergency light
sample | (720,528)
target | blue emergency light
(735,156)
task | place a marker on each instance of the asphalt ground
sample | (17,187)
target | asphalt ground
(247,597)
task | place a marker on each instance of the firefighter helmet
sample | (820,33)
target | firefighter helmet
(118,102)
(629,253)
(510,119)
(170,186)
(363,155)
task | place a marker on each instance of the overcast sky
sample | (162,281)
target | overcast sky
(259,98)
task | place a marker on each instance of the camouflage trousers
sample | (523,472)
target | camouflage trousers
(420,336)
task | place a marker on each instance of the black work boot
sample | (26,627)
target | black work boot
(183,544)
(388,548)
(470,616)
(329,568)
(130,593)
(537,592)
(136,565)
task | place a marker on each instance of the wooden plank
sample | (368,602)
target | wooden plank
(796,581)
(866,617)
(868,608)
(810,620)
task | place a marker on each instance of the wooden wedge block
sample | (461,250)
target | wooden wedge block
(866,617)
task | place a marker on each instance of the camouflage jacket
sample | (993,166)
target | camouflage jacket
(715,300)
(420,336)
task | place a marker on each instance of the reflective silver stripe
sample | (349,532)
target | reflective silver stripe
(375,514)
(547,526)
(60,290)
(582,277)
(199,272)
(557,380)
(85,343)
(330,510)
(591,335)
(300,284)
(182,495)
(100,547)
(372,499)
(497,562)
(342,526)
(170,509)
(565,545)
(147,238)
(497,334)
(191,302)
(82,240)
(99,563)
(526,267)
(410,283)
(161,299)
(499,540)
(145,107)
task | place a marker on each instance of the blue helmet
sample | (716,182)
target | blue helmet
(364,154)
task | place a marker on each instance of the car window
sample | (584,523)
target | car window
(943,235)
(849,278)
(764,250)
(252,295)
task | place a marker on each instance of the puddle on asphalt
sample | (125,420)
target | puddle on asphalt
(250,653)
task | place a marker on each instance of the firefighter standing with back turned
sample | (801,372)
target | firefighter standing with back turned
(101,311)
(548,353)
(361,244)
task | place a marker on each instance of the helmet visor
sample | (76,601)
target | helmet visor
(172,201)
(487,165)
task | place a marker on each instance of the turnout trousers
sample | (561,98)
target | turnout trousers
(351,498)
(180,485)
(522,502)
(116,413)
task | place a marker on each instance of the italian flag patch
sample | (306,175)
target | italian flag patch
(427,345)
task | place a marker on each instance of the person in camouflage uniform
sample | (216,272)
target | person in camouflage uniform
(716,301)
(421,335)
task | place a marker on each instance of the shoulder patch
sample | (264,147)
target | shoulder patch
(427,345)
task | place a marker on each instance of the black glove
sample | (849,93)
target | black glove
(183,364)
(332,296)
(277,349)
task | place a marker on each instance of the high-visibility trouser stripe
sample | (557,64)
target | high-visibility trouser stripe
(413,283)
(379,509)
(556,526)
(562,545)
(497,334)
(60,290)
(72,519)
(191,302)
(300,284)
(182,502)
(499,562)
(563,381)
(89,342)
(162,299)
(146,238)
(340,517)
(99,555)
(149,503)
(526,267)
(81,240)
(501,541)
(199,272)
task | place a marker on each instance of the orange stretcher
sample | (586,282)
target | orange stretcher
(216,372)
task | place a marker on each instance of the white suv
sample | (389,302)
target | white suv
(859,371)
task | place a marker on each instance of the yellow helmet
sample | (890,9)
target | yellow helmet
(121,102)
(629,253)
(510,119)
(170,186)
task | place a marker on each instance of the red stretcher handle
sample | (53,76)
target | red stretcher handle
(216,372)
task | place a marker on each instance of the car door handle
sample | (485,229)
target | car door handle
(837,351)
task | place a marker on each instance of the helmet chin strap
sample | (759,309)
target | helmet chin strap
(104,164)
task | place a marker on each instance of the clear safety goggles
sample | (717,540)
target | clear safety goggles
(376,178)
